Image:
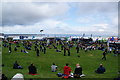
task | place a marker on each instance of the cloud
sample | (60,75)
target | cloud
(51,26)
(30,13)
(60,0)
(60,18)
(0,14)
(103,26)
(99,16)
(104,8)
(85,20)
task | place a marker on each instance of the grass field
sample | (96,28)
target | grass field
(89,61)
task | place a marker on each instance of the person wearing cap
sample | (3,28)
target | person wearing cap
(78,71)
(100,70)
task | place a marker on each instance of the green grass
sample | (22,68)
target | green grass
(89,61)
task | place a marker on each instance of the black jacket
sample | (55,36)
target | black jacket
(78,71)
(32,70)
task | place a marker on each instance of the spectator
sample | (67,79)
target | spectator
(104,55)
(78,71)
(10,50)
(15,49)
(17,66)
(67,70)
(54,68)
(100,70)
(37,52)
(44,49)
(77,48)
(32,69)
(4,77)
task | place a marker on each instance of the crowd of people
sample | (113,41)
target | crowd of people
(67,71)
(65,48)
(41,46)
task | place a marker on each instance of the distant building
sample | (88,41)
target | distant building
(23,36)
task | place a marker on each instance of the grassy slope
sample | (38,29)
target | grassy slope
(89,62)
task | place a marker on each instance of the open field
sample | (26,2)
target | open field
(89,61)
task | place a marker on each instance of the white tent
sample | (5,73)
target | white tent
(18,76)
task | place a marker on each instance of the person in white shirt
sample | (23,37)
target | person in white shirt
(54,68)
(110,50)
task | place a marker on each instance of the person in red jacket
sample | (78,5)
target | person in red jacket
(67,70)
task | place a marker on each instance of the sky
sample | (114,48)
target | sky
(99,18)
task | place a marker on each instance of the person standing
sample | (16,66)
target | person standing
(62,47)
(44,49)
(104,55)
(35,47)
(68,51)
(15,49)
(64,51)
(37,52)
(77,48)
(115,52)
(41,48)
(86,49)
(110,50)
(10,50)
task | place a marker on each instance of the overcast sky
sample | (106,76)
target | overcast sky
(60,17)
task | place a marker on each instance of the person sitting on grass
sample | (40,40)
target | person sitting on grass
(32,69)
(17,66)
(58,50)
(54,68)
(67,71)
(100,70)
(28,48)
(4,77)
(24,51)
(78,71)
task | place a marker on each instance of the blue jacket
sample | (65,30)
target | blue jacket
(101,69)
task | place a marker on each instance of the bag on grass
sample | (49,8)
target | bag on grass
(59,74)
